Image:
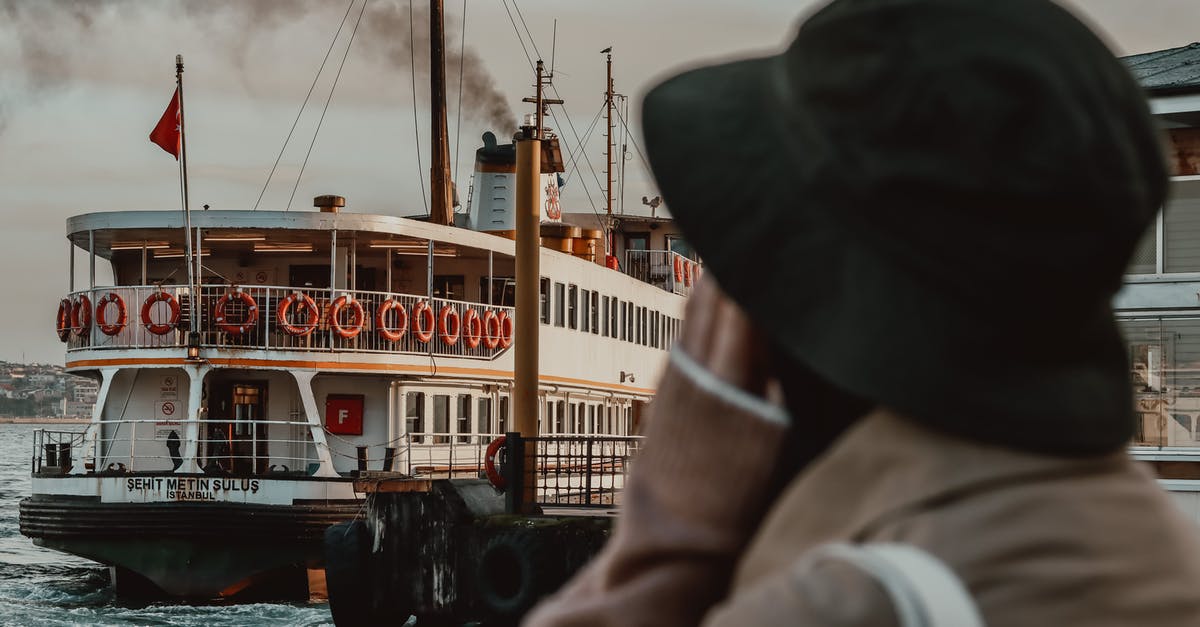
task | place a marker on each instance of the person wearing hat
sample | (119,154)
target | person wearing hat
(900,396)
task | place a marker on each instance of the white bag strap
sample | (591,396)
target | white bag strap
(924,591)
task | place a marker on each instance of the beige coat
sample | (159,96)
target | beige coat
(1037,540)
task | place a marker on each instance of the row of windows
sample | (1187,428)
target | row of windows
(591,312)
(473,417)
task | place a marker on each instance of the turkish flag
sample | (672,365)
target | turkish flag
(166,133)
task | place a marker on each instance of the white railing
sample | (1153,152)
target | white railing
(265,330)
(664,269)
(234,447)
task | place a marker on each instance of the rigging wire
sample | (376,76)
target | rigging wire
(633,140)
(532,42)
(328,99)
(462,62)
(304,104)
(624,153)
(518,31)
(586,134)
(412,57)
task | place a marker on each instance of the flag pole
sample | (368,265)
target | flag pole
(193,263)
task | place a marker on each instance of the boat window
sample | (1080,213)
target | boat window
(464,417)
(586,318)
(544,295)
(572,306)
(579,417)
(612,318)
(560,305)
(570,426)
(441,418)
(449,286)
(637,241)
(591,419)
(679,246)
(503,418)
(595,311)
(604,315)
(483,417)
(558,416)
(504,290)
(414,412)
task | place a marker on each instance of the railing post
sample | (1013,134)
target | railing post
(513,472)
(587,489)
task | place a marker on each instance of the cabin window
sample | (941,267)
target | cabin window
(586,316)
(570,426)
(414,412)
(464,417)
(604,315)
(591,419)
(679,246)
(612,318)
(559,417)
(441,418)
(624,335)
(595,310)
(503,418)
(504,290)
(449,286)
(483,417)
(579,417)
(560,305)
(572,306)
(544,295)
(637,241)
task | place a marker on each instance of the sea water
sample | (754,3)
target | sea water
(43,587)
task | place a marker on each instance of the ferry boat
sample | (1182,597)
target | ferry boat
(237,408)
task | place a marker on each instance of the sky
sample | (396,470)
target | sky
(82,83)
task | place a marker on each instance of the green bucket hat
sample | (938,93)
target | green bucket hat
(931,204)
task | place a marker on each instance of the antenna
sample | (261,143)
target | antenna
(553,44)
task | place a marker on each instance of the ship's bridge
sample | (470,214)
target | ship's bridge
(284,281)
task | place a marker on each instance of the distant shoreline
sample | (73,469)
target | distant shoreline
(51,420)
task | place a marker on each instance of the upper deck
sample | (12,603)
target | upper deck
(382,270)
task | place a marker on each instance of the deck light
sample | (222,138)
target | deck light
(193,346)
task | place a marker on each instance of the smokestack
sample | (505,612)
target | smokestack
(329,203)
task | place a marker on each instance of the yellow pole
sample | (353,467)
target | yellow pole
(528,223)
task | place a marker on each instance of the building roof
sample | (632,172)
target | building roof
(1170,70)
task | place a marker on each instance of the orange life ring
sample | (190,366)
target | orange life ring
(489,463)
(472,328)
(102,319)
(506,330)
(391,334)
(236,328)
(687,273)
(302,301)
(696,273)
(81,315)
(160,328)
(678,269)
(62,322)
(422,322)
(449,325)
(335,323)
(491,329)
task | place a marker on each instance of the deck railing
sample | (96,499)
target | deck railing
(226,447)
(263,329)
(664,269)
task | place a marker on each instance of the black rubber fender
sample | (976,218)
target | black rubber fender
(516,569)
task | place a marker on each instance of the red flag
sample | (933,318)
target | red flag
(166,133)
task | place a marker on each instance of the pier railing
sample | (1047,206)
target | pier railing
(247,317)
(572,470)
(665,269)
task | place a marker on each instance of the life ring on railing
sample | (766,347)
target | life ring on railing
(160,328)
(62,322)
(489,463)
(449,325)
(695,273)
(687,274)
(391,334)
(81,315)
(491,329)
(302,301)
(236,328)
(102,319)
(422,322)
(356,309)
(678,269)
(506,330)
(472,328)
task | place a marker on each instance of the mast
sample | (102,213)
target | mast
(608,104)
(441,208)
(193,263)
